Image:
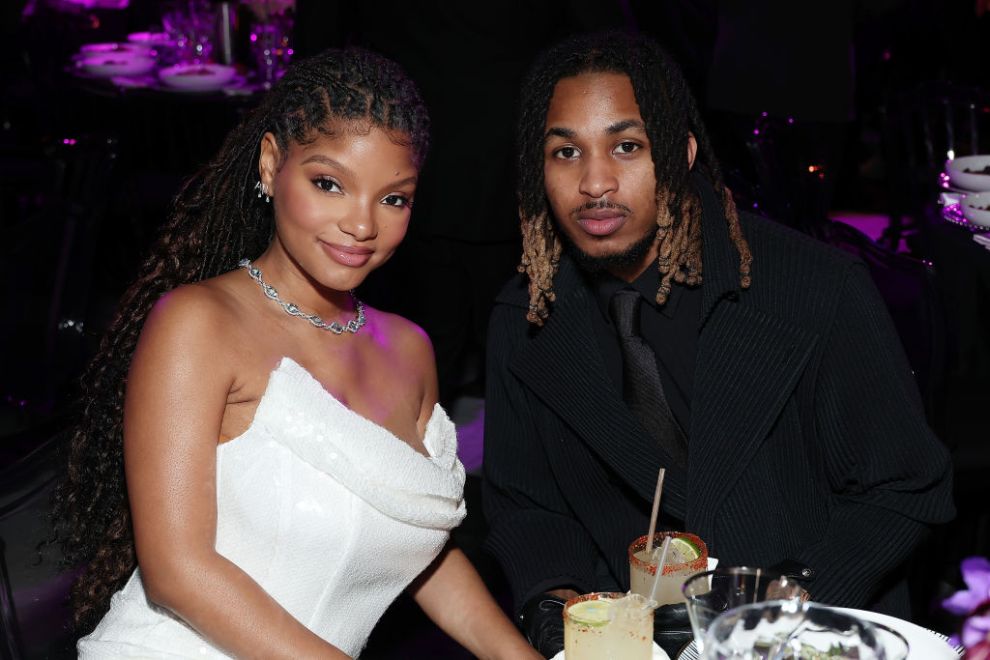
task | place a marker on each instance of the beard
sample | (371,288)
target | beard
(616,261)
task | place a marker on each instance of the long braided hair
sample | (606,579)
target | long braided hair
(216,219)
(670,113)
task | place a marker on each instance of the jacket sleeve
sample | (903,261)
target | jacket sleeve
(532,532)
(889,475)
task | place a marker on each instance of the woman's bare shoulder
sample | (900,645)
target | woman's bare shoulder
(198,317)
(410,352)
(406,338)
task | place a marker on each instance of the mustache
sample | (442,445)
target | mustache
(602,204)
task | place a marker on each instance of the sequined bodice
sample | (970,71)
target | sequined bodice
(329,512)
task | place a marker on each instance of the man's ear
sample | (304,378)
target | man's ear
(268,161)
(692,149)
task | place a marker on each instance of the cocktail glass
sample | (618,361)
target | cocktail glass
(608,626)
(191,26)
(271,49)
(710,593)
(688,555)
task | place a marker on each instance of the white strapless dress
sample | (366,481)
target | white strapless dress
(329,512)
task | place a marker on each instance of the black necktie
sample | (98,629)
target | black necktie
(641,387)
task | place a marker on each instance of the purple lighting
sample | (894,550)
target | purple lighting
(69,141)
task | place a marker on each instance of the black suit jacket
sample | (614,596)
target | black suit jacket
(807,440)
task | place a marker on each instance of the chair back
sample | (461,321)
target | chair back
(10,636)
(47,268)
(907,286)
(796,166)
(34,618)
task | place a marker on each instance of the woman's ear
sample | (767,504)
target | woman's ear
(268,161)
(692,149)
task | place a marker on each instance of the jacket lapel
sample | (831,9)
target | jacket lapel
(563,366)
(747,365)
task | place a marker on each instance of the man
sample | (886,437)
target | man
(785,414)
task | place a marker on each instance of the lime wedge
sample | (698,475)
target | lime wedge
(682,550)
(594,613)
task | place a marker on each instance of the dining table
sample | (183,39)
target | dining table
(923,644)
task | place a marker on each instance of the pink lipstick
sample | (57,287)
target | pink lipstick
(347,255)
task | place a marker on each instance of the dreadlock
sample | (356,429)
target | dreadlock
(670,113)
(216,219)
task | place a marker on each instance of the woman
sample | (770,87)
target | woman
(288,471)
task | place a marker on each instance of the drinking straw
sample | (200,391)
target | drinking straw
(660,563)
(656,510)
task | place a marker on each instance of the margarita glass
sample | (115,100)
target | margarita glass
(686,556)
(608,626)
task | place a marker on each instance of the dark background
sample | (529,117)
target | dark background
(87,173)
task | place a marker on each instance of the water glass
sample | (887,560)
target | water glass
(710,593)
(270,48)
(191,26)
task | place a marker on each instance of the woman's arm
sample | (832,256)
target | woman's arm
(454,597)
(177,389)
(450,591)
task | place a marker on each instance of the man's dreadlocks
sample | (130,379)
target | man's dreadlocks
(670,114)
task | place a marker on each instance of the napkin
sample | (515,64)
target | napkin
(658,654)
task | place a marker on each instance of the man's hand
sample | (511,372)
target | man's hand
(672,628)
(542,621)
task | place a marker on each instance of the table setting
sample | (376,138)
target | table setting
(739,612)
(965,196)
(745,613)
(195,50)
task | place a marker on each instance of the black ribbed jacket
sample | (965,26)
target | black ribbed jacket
(807,440)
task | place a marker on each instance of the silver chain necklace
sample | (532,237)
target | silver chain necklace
(292,309)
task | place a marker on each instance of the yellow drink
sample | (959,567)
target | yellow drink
(687,555)
(608,626)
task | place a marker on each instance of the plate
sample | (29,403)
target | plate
(953,213)
(976,208)
(96,4)
(925,644)
(107,65)
(196,77)
(658,654)
(149,39)
(970,181)
(116,47)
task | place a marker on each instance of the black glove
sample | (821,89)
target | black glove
(796,570)
(672,628)
(803,574)
(542,622)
